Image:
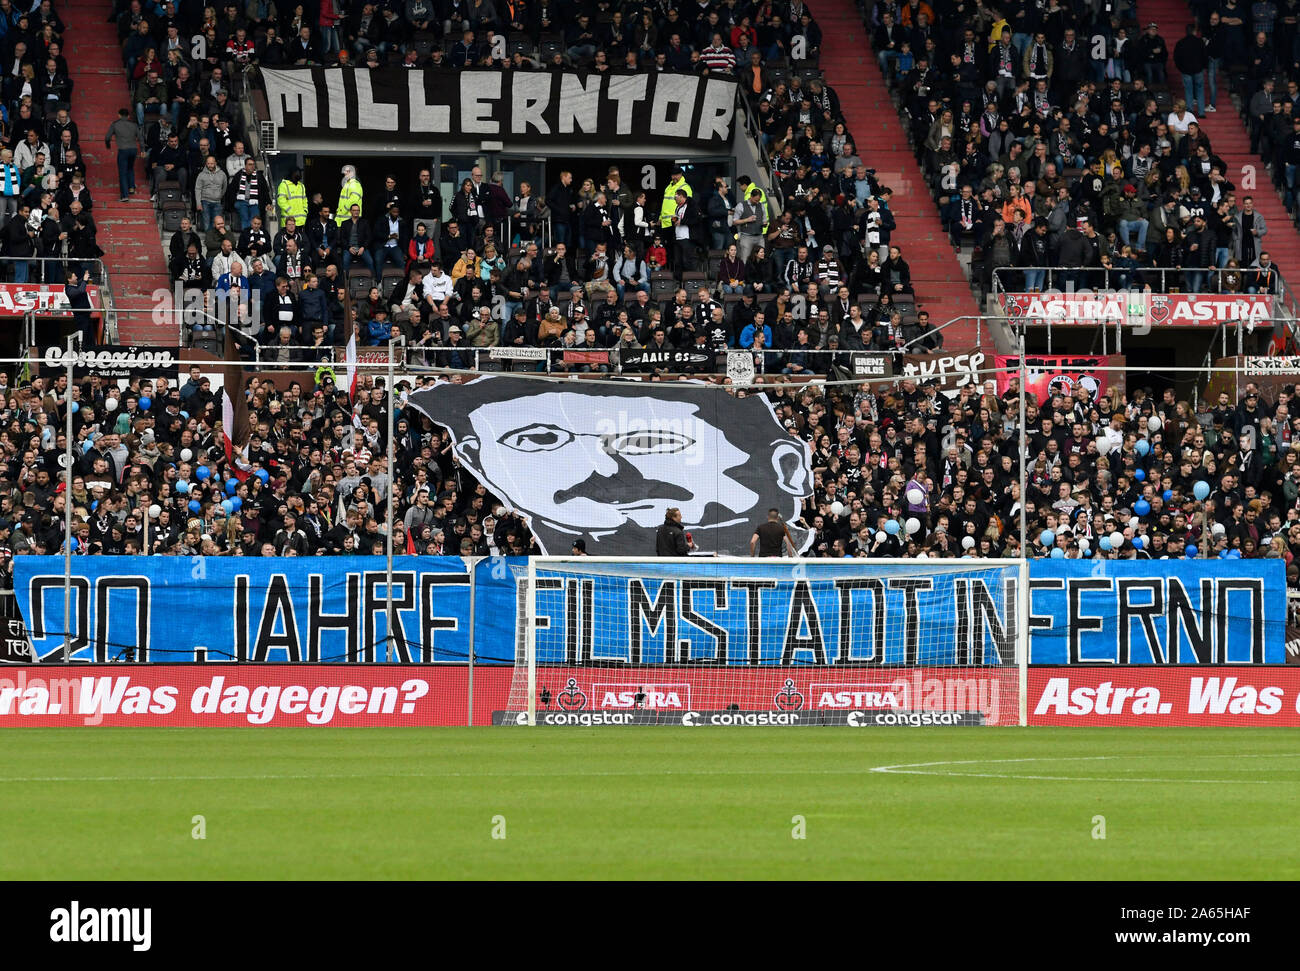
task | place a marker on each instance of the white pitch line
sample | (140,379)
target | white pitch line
(916,768)
(437,775)
(909,768)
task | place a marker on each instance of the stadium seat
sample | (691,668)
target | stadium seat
(662,290)
(359,282)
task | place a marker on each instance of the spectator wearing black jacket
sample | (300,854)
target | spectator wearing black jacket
(1191,59)
(19,238)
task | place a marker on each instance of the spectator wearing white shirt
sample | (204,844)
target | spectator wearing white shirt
(437,284)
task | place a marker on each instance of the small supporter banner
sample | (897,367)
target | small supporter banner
(43,299)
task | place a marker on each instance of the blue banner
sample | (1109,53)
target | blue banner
(702,612)
(162,608)
(1157,611)
(765,611)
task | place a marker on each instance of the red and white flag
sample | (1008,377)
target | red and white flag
(350,368)
(234,415)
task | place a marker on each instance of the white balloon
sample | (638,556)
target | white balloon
(923,555)
(837,508)
(1134,522)
(1116,539)
(1083,543)
(110,404)
(1154,424)
(155,511)
(186,455)
(1103,445)
(913,525)
(915,496)
(968,542)
(1218,529)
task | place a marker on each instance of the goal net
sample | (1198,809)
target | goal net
(737,641)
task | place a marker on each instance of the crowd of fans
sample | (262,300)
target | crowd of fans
(46,212)
(543,260)
(904,471)
(150,469)
(1049,139)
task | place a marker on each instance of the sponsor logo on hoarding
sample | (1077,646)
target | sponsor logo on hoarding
(572,697)
(1138,308)
(865,719)
(1128,696)
(743,718)
(789,698)
(892,694)
(642,695)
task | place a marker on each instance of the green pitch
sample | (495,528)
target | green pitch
(649,803)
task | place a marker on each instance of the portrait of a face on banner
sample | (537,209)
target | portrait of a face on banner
(604,463)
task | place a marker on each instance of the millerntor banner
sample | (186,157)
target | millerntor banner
(560,107)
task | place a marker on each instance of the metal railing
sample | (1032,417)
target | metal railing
(46,276)
(750,114)
(551,359)
(1160,279)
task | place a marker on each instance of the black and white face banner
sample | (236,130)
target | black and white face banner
(604,462)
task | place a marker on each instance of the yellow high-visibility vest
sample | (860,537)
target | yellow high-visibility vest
(350,195)
(668,208)
(292,199)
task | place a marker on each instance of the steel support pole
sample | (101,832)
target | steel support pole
(67,510)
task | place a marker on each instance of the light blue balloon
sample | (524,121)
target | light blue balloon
(94,504)
(1167,495)
(1143,447)
(1192,551)
(1223,554)
(1047,537)
(237,503)
(75,544)
(891,527)
(182,486)
(1141,507)
(264,475)
(1234,554)
(185,414)
(202,473)
(227,506)
(1140,474)
(231,485)
(1201,490)
(76,407)
(145,403)
(1058,553)
(1104,542)
(194,506)
(1138,542)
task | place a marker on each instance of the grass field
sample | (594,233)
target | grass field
(649,803)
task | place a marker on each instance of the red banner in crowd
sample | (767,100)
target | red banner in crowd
(1138,308)
(1049,374)
(45,299)
(1169,695)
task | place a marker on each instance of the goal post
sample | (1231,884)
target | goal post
(747,641)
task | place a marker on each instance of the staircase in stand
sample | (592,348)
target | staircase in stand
(127,231)
(1230,140)
(851,69)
